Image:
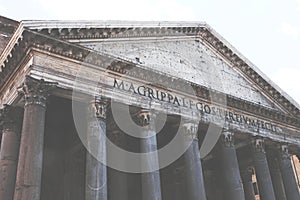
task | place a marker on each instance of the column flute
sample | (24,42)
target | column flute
(233,187)
(29,171)
(264,181)
(288,175)
(96,172)
(151,189)
(12,120)
(194,173)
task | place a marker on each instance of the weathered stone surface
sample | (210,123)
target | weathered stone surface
(29,173)
(194,173)
(197,57)
(12,119)
(232,183)
(96,176)
(7,28)
(276,175)
(246,175)
(151,188)
(31,154)
(66,75)
(186,59)
(288,175)
(263,176)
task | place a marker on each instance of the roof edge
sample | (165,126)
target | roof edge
(253,66)
(41,24)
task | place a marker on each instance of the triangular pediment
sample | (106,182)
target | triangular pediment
(186,59)
(190,51)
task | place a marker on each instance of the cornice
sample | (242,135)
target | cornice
(123,32)
(250,73)
(35,40)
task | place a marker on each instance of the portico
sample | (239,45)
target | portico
(83,119)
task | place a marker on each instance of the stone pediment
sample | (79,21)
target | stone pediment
(186,59)
(190,51)
(187,50)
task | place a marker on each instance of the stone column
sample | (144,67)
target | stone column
(151,189)
(1,128)
(288,175)
(248,184)
(263,176)
(232,184)
(96,176)
(29,172)
(117,180)
(12,118)
(276,176)
(194,173)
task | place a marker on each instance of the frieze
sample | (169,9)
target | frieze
(201,106)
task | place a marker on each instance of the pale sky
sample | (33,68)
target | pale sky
(267,32)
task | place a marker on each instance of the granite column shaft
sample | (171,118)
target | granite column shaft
(264,181)
(29,171)
(232,184)
(194,172)
(151,188)
(96,172)
(288,175)
(276,177)
(248,184)
(9,152)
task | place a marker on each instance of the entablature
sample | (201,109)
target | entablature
(33,50)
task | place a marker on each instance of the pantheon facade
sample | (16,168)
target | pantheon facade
(118,110)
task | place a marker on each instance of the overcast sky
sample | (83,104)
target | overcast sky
(267,32)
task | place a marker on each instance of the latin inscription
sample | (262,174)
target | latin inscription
(202,107)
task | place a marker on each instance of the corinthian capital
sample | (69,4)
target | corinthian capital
(144,117)
(227,139)
(284,152)
(98,107)
(36,91)
(258,145)
(190,129)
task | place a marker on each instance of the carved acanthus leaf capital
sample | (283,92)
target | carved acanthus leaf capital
(98,107)
(258,145)
(284,152)
(190,129)
(144,117)
(227,139)
(36,91)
